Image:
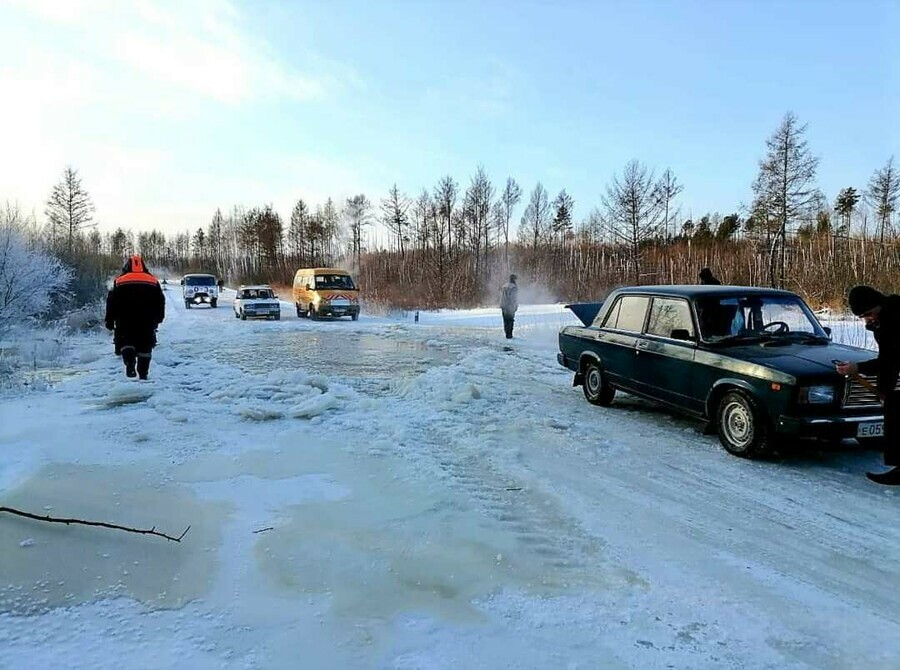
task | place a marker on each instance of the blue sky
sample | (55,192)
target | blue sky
(172,109)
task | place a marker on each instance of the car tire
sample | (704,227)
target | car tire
(243,316)
(213,303)
(597,390)
(278,317)
(299,311)
(187,304)
(742,426)
(237,316)
(312,313)
(354,317)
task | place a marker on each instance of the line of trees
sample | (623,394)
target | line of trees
(451,244)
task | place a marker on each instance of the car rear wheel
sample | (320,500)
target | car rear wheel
(742,426)
(312,312)
(187,304)
(243,316)
(596,387)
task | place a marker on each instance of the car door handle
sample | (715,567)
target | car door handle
(643,344)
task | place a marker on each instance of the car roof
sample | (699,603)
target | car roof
(336,271)
(701,290)
(254,286)
(199,274)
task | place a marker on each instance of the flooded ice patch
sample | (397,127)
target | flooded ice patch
(368,362)
(394,544)
(47,565)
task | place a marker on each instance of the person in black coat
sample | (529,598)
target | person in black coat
(708,278)
(135,307)
(882,316)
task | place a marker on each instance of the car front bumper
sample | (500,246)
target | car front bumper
(337,310)
(831,427)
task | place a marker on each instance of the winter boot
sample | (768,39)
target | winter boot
(143,366)
(129,357)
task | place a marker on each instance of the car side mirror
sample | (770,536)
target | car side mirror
(681,334)
(308,287)
(827,330)
(182,282)
(221,283)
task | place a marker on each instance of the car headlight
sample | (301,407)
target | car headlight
(817,395)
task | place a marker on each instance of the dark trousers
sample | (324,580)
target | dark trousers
(892,429)
(130,356)
(509,319)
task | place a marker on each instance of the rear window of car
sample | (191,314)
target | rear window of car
(628,313)
(668,314)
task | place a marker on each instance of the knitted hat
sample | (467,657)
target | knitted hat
(864,298)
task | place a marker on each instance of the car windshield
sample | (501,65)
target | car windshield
(205,280)
(735,318)
(334,281)
(254,293)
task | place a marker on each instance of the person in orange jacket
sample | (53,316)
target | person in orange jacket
(135,307)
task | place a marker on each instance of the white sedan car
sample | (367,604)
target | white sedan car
(256,302)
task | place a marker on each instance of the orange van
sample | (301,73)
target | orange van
(325,292)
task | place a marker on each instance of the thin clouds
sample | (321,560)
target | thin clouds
(197,48)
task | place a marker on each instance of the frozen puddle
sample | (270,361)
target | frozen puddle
(370,363)
(396,544)
(47,565)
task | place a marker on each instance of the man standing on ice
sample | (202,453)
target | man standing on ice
(509,303)
(882,316)
(134,309)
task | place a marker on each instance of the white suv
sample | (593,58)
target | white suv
(200,289)
(253,302)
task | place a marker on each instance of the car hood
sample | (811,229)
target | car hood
(799,359)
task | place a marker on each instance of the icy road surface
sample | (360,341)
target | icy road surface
(384,494)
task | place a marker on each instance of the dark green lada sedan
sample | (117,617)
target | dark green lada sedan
(754,363)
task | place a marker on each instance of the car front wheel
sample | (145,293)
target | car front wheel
(596,388)
(742,426)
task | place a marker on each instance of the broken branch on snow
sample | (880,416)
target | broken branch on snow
(102,524)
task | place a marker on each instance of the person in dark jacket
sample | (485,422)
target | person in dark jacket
(135,307)
(708,278)
(882,316)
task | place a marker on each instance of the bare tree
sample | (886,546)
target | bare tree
(509,198)
(297,231)
(69,210)
(476,212)
(535,225)
(394,216)
(358,214)
(634,211)
(668,189)
(882,194)
(445,194)
(786,184)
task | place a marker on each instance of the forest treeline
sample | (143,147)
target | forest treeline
(452,243)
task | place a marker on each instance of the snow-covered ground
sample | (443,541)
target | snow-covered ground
(391,494)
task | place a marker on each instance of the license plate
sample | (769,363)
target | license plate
(871,429)
(338,311)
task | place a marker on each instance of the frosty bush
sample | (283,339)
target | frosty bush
(29,276)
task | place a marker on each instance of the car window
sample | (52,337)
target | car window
(668,314)
(334,281)
(630,313)
(609,321)
(200,281)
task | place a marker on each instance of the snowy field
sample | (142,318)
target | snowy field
(391,494)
